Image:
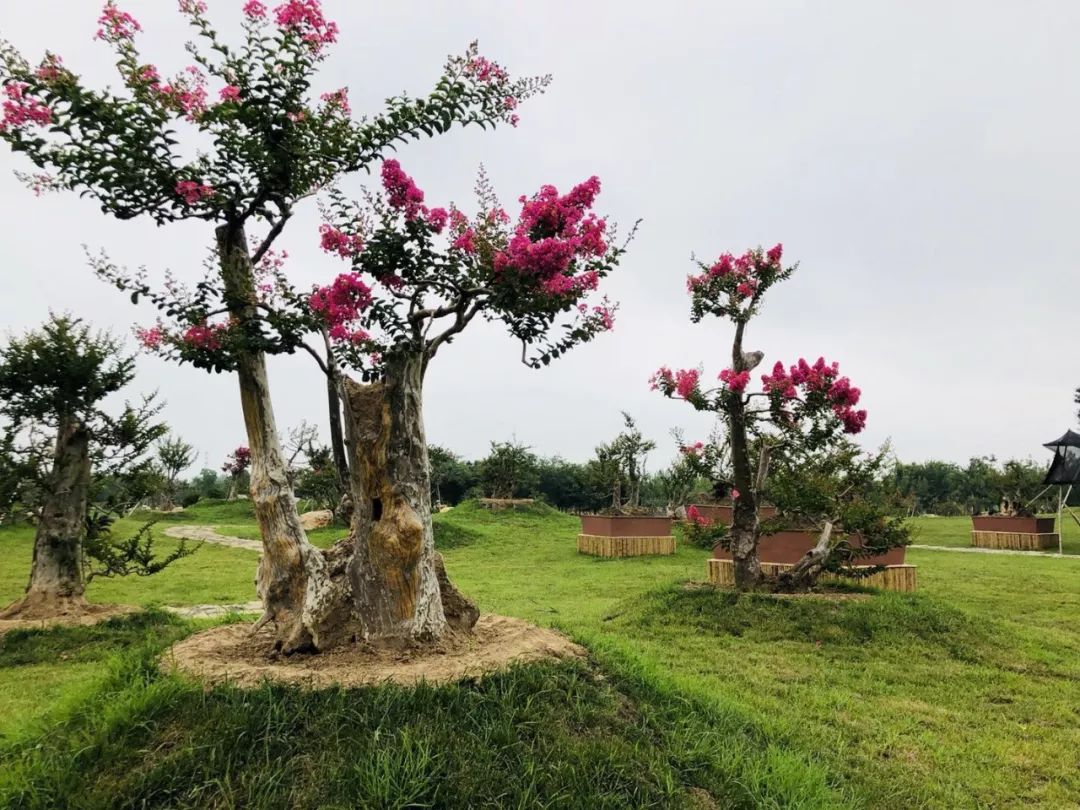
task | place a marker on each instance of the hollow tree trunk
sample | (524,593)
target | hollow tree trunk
(396,587)
(294,580)
(744,528)
(56,577)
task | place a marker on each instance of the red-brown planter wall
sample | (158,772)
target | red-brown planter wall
(1017,525)
(723,514)
(625,526)
(790,547)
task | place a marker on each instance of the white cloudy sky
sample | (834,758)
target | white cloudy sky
(918,158)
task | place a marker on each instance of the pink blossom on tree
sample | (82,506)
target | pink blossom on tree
(194,193)
(809,406)
(20,111)
(116,25)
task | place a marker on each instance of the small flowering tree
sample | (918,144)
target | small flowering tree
(236,466)
(801,411)
(259,145)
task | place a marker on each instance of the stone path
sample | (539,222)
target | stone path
(214,611)
(207,534)
(973,550)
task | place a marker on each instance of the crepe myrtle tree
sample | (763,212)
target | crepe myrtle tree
(235,140)
(236,465)
(418,277)
(803,409)
(53,382)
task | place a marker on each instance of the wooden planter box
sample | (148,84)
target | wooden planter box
(892,578)
(723,514)
(787,548)
(1016,533)
(625,536)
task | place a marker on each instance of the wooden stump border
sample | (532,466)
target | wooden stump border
(1015,541)
(892,578)
(600,546)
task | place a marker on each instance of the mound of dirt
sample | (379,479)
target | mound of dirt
(37,619)
(231,654)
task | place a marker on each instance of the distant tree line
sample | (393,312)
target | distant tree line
(945,488)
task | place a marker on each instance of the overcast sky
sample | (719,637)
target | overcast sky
(918,158)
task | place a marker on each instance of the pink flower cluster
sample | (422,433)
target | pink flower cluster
(305,19)
(341,303)
(254,10)
(192,7)
(51,68)
(229,94)
(193,193)
(683,382)
(822,378)
(186,94)
(237,461)
(745,271)
(694,449)
(338,100)
(604,316)
(20,110)
(401,192)
(465,241)
(116,25)
(205,336)
(150,339)
(735,380)
(484,70)
(695,516)
(551,233)
(334,241)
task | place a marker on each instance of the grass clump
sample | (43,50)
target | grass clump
(560,735)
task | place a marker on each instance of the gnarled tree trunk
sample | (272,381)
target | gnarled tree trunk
(56,576)
(396,585)
(744,525)
(294,582)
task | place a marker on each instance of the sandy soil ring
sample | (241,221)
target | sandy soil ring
(230,654)
(90,614)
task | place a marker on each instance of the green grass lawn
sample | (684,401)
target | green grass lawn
(966,694)
(956,531)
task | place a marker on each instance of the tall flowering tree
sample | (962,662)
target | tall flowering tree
(803,412)
(417,277)
(237,140)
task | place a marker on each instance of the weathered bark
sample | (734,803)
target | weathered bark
(396,589)
(56,575)
(744,528)
(806,571)
(298,594)
(337,434)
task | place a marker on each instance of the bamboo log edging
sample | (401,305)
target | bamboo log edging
(1017,541)
(892,578)
(600,546)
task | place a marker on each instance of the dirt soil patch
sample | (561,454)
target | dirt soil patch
(88,614)
(231,654)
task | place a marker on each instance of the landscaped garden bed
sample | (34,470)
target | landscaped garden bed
(724,513)
(1018,533)
(625,535)
(779,552)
